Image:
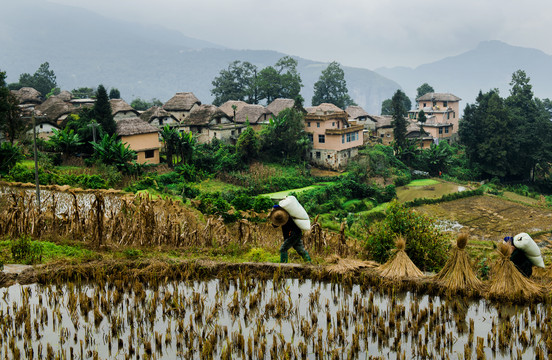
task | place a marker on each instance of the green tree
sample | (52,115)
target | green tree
(387,105)
(11,124)
(114,93)
(331,87)
(43,80)
(169,137)
(284,139)
(83,93)
(280,81)
(399,122)
(10,154)
(66,141)
(140,104)
(532,128)
(269,84)
(102,111)
(185,146)
(238,82)
(248,145)
(424,89)
(111,151)
(486,131)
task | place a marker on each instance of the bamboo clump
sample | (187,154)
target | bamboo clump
(458,274)
(507,283)
(399,266)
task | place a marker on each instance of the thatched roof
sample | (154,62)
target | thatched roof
(355,112)
(28,95)
(280,104)
(227,107)
(382,120)
(134,126)
(438,97)
(119,105)
(155,112)
(252,113)
(203,114)
(65,95)
(324,109)
(54,107)
(182,101)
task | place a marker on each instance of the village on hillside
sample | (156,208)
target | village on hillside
(336,134)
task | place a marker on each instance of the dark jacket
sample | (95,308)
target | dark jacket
(522,262)
(290,229)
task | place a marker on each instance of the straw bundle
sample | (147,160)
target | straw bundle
(400,266)
(342,266)
(507,282)
(458,274)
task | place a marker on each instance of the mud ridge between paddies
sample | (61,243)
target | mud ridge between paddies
(346,272)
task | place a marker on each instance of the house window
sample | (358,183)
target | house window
(448,116)
(440,130)
(310,137)
(321,139)
(160,122)
(333,123)
(446,130)
(308,124)
(215,135)
(445,104)
(329,156)
(425,105)
(382,135)
(343,138)
(317,124)
(233,132)
(149,154)
(318,154)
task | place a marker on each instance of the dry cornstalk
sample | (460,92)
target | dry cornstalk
(458,274)
(400,266)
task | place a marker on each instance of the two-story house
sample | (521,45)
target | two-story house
(442,114)
(335,139)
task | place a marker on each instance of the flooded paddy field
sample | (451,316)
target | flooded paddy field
(243,317)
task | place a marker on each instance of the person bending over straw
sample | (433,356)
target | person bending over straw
(519,258)
(292,234)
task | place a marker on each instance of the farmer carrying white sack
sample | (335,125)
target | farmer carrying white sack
(283,215)
(525,254)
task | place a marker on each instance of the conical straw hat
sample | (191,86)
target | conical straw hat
(279,217)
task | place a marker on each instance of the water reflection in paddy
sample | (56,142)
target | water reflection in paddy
(254,318)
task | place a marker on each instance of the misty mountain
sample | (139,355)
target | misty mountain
(85,49)
(490,65)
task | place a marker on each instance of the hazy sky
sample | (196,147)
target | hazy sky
(362,33)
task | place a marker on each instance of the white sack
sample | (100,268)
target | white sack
(296,211)
(524,242)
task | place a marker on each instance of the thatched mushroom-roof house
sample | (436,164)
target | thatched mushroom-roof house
(65,95)
(229,110)
(207,122)
(120,109)
(159,117)
(142,138)
(56,110)
(28,95)
(280,104)
(181,104)
(324,109)
(256,115)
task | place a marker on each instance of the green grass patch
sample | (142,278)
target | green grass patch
(49,251)
(422,182)
(283,194)
(213,185)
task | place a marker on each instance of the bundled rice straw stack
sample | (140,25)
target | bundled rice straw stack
(400,266)
(507,282)
(343,266)
(457,274)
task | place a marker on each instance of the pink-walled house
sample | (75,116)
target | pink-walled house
(335,139)
(141,137)
(442,112)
